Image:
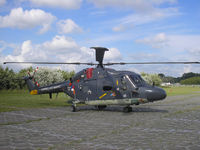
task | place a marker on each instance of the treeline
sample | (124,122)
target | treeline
(191,81)
(187,78)
(14,80)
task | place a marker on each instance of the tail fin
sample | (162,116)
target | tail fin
(31,86)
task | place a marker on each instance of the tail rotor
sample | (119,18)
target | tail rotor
(32,77)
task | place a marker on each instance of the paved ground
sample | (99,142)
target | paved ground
(171,124)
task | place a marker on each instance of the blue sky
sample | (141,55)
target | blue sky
(133,30)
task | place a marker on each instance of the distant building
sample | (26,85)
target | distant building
(166,84)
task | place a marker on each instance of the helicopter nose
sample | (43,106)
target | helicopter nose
(155,94)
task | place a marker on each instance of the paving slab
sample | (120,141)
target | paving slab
(173,123)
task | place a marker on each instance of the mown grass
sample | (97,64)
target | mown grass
(172,91)
(20,99)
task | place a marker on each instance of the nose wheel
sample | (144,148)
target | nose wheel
(74,108)
(127,109)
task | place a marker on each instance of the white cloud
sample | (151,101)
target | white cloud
(107,38)
(59,49)
(68,26)
(137,5)
(68,4)
(195,52)
(157,41)
(174,43)
(143,11)
(137,19)
(60,44)
(27,19)
(2,46)
(184,42)
(157,14)
(2,2)
(173,48)
(158,2)
(118,28)
(113,55)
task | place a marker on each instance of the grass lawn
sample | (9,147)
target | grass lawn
(171,91)
(21,99)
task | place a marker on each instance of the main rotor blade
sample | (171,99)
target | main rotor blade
(65,63)
(108,64)
(153,63)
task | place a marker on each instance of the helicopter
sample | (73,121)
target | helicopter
(101,86)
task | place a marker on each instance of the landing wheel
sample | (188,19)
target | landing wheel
(74,109)
(127,109)
(101,107)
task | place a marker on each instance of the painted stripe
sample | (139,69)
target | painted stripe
(102,95)
(34,92)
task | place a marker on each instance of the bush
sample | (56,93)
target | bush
(191,81)
(151,78)
(6,79)
(45,76)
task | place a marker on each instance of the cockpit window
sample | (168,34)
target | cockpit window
(137,80)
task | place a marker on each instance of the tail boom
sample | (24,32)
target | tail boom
(53,88)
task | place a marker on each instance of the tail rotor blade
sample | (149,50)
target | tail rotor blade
(35,71)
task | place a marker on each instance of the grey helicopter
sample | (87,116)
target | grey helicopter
(101,86)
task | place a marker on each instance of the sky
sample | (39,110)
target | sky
(133,30)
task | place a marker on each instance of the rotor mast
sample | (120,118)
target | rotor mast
(100,55)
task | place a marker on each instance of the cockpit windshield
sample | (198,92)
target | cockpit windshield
(137,80)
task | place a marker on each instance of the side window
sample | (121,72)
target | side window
(123,82)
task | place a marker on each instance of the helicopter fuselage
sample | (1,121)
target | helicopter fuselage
(104,86)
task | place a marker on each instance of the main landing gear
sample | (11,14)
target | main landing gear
(101,107)
(127,109)
(74,108)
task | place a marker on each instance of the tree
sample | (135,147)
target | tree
(22,73)
(67,75)
(2,78)
(45,76)
(161,75)
(191,81)
(7,77)
(151,78)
